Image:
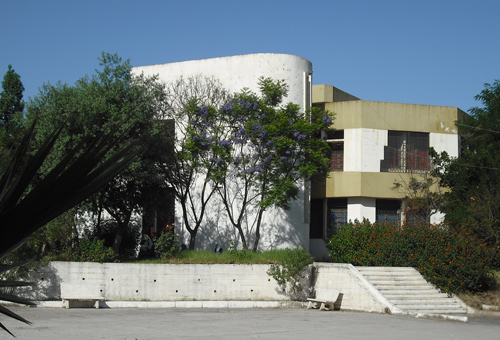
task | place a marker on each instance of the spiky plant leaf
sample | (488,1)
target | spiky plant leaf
(26,205)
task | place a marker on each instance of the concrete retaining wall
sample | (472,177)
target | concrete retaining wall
(158,282)
(357,292)
(154,283)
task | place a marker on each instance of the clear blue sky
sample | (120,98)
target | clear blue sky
(425,52)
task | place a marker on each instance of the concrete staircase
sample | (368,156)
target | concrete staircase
(407,290)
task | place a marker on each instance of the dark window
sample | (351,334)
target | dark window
(336,141)
(337,214)
(337,158)
(406,152)
(388,211)
(336,217)
(316,221)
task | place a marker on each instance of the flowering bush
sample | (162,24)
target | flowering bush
(453,262)
(166,245)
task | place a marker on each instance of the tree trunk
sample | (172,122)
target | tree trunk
(257,230)
(242,237)
(192,240)
(120,232)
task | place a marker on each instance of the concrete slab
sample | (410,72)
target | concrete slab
(237,324)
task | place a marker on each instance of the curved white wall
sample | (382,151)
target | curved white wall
(280,229)
(238,72)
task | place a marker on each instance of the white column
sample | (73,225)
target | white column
(361,207)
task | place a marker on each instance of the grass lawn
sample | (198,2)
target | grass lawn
(226,257)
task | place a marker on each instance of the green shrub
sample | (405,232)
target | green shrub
(290,269)
(453,262)
(93,251)
(167,245)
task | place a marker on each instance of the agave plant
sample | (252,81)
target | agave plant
(27,202)
(12,298)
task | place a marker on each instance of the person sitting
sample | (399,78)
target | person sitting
(146,249)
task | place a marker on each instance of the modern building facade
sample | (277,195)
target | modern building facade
(374,144)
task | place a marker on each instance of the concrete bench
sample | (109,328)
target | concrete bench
(82,302)
(325,298)
(80,296)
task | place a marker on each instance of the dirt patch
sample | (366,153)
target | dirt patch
(477,300)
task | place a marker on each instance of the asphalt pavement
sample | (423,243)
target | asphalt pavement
(237,324)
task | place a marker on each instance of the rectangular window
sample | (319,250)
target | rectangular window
(388,211)
(337,214)
(406,152)
(337,159)
(336,141)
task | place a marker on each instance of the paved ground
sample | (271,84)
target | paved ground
(237,324)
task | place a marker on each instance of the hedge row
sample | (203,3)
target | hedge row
(452,262)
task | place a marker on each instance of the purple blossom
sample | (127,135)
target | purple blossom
(227,108)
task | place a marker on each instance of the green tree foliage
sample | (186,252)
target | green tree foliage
(92,251)
(110,100)
(29,200)
(274,148)
(473,203)
(422,196)
(292,269)
(192,106)
(261,153)
(11,97)
(11,113)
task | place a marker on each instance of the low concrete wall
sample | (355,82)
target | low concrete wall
(158,282)
(155,283)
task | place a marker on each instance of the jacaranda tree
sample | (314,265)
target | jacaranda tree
(192,106)
(262,153)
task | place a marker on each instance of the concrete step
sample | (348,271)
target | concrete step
(410,289)
(398,282)
(386,270)
(437,311)
(427,305)
(417,298)
(406,289)
(394,277)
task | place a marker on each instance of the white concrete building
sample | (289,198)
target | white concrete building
(375,143)
(280,229)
